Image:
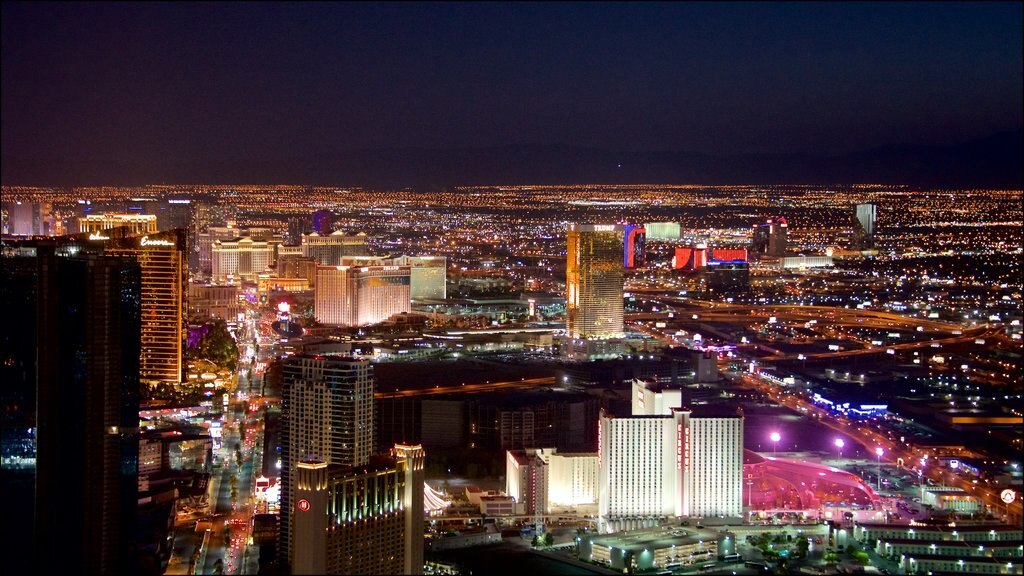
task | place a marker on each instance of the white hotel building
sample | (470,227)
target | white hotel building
(666,461)
(544,482)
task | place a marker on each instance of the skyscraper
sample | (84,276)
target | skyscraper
(365,519)
(635,247)
(26,218)
(327,415)
(594,279)
(88,412)
(329,249)
(360,295)
(692,463)
(770,238)
(162,258)
(864,236)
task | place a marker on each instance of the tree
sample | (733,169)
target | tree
(802,546)
(536,541)
(549,539)
(861,558)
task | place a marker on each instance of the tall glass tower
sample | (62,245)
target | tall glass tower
(593,281)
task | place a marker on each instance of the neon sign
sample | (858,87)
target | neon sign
(147,242)
(98,236)
(304,505)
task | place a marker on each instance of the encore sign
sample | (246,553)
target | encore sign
(304,505)
(147,242)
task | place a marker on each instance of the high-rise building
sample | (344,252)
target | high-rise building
(634,255)
(89,309)
(428,276)
(691,464)
(297,266)
(205,215)
(328,250)
(327,414)
(662,230)
(543,481)
(162,257)
(136,223)
(356,296)
(240,259)
(594,280)
(365,519)
(866,214)
(770,238)
(205,241)
(26,218)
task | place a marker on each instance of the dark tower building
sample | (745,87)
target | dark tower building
(88,322)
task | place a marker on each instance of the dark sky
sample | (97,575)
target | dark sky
(95,81)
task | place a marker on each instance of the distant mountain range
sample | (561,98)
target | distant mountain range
(993,161)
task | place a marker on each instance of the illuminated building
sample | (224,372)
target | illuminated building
(544,481)
(639,551)
(355,296)
(728,254)
(136,223)
(205,244)
(297,266)
(365,519)
(327,414)
(89,310)
(805,262)
(634,255)
(240,259)
(662,230)
(690,465)
(329,249)
(690,258)
(164,308)
(215,301)
(594,281)
(428,276)
(30,219)
(866,215)
(770,238)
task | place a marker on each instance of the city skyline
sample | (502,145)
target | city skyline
(447,289)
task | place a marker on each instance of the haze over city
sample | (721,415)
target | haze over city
(551,288)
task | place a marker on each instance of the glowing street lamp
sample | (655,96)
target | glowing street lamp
(775,442)
(839,444)
(878,452)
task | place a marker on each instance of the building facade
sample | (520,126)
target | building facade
(329,249)
(327,413)
(164,264)
(241,259)
(89,317)
(693,465)
(357,296)
(365,519)
(136,223)
(594,277)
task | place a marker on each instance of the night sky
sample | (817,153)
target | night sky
(243,81)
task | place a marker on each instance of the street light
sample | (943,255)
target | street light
(879,452)
(775,442)
(839,444)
